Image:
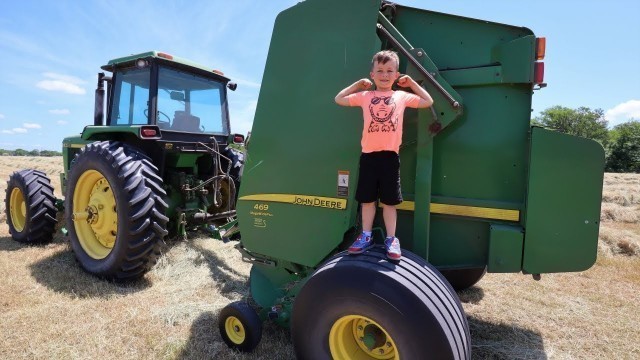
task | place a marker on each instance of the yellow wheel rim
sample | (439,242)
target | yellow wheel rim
(94,214)
(235,330)
(17,209)
(358,337)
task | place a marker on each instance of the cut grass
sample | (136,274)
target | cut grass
(50,308)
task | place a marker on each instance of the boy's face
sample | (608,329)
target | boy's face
(384,75)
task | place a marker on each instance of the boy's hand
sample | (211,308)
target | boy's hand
(405,81)
(365,84)
(425,99)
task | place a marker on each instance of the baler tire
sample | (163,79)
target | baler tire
(120,191)
(30,207)
(410,310)
(240,327)
(461,279)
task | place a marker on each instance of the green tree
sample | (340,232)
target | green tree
(580,122)
(20,152)
(624,154)
(50,153)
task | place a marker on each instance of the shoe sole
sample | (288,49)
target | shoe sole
(390,257)
(356,252)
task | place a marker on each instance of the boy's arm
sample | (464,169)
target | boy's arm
(362,84)
(425,98)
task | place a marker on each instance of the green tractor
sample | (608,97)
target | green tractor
(484,191)
(165,162)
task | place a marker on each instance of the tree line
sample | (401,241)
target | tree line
(621,143)
(22,152)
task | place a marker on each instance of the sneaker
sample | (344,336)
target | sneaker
(393,248)
(361,244)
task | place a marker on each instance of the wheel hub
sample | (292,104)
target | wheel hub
(358,337)
(235,330)
(94,214)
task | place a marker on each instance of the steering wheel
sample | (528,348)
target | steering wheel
(161,123)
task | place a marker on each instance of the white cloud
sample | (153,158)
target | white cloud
(623,112)
(62,122)
(31,126)
(1,116)
(60,111)
(7,132)
(19,130)
(63,83)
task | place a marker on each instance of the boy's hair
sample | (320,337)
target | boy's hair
(384,56)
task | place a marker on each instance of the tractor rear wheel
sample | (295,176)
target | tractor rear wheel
(461,279)
(115,209)
(365,307)
(30,207)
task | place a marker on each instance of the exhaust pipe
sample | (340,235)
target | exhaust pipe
(98,113)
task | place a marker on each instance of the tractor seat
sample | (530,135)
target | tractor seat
(185,122)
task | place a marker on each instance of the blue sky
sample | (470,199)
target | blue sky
(51,51)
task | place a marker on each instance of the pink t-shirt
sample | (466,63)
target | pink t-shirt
(383,112)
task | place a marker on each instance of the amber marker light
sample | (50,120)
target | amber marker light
(541,47)
(165,56)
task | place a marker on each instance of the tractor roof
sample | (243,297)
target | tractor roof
(130,60)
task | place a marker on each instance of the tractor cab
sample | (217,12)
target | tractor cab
(174,94)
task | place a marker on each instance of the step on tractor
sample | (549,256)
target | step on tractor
(484,191)
(165,162)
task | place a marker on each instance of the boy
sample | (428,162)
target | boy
(383,110)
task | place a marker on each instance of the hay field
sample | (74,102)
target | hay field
(49,308)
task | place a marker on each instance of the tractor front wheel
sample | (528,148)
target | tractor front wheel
(115,211)
(30,207)
(365,307)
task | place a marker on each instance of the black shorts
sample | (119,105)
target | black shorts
(379,178)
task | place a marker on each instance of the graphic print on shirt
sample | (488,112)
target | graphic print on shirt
(382,109)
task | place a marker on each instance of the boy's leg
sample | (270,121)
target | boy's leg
(390,216)
(366,194)
(391,242)
(390,196)
(368,214)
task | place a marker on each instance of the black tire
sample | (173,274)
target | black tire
(240,326)
(119,206)
(411,312)
(30,207)
(461,279)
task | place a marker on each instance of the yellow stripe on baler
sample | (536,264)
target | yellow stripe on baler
(470,211)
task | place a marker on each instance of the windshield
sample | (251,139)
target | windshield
(188,102)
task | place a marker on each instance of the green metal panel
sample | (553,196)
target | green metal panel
(563,202)
(300,138)
(481,158)
(505,248)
